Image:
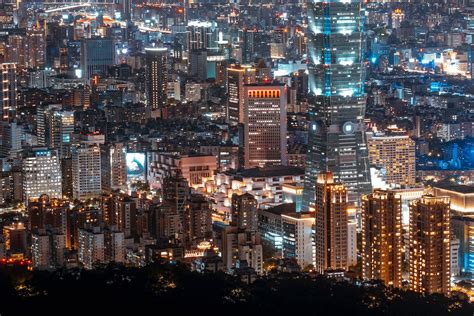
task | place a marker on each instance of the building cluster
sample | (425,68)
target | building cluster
(331,137)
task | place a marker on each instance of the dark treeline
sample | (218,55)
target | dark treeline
(163,288)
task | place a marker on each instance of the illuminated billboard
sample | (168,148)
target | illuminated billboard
(136,166)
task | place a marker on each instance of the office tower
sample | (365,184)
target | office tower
(198,64)
(331,224)
(9,91)
(156,79)
(199,35)
(15,238)
(86,168)
(382,237)
(60,130)
(430,240)
(41,171)
(114,167)
(43,113)
(91,247)
(36,43)
(97,55)
(248,43)
(265,125)
(396,155)
(336,97)
(298,237)
(237,77)
(244,212)
(11,134)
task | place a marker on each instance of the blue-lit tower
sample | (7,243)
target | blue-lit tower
(336,141)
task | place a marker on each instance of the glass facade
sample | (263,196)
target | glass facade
(337,141)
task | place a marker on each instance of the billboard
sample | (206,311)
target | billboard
(136,168)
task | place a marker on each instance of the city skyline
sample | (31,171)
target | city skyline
(242,156)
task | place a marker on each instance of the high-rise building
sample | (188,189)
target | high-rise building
(41,171)
(16,51)
(297,236)
(47,249)
(36,42)
(200,219)
(9,90)
(199,35)
(237,77)
(242,245)
(11,135)
(198,64)
(396,155)
(156,79)
(114,167)
(45,212)
(430,242)
(331,224)
(265,125)
(125,215)
(60,129)
(86,168)
(114,246)
(91,247)
(244,212)
(382,237)
(336,97)
(97,55)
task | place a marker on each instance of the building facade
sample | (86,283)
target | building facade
(430,242)
(265,125)
(336,97)
(331,224)
(382,237)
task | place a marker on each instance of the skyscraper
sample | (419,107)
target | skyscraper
(430,242)
(156,79)
(237,76)
(265,125)
(97,54)
(331,224)
(382,237)
(336,96)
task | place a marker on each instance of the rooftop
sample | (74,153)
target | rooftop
(459,188)
(274,171)
(287,208)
